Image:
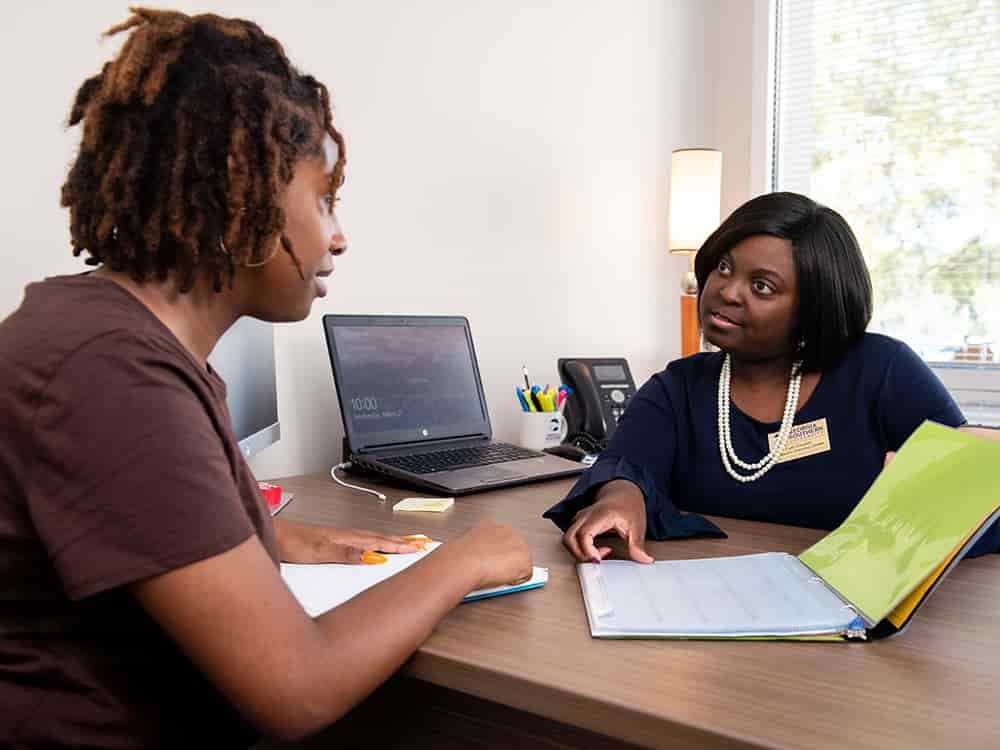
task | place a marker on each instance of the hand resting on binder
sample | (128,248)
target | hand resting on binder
(619,508)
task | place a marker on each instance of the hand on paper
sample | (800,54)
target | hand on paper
(500,551)
(619,508)
(312,543)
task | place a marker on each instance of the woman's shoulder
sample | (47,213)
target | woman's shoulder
(690,375)
(879,343)
(876,351)
(84,328)
(694,367)
(879,362)
(84,309)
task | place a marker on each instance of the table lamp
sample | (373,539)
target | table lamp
(695,192)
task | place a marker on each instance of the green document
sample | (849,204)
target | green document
(940,486)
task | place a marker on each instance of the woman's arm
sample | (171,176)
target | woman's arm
(628,490)
(290,675)
(641,452)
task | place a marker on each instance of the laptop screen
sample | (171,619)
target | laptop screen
(405,379)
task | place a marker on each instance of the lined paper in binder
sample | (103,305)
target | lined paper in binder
(725,597)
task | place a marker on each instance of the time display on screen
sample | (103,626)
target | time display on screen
(364,403)
(609,372)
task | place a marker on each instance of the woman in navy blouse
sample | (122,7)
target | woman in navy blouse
(786,296)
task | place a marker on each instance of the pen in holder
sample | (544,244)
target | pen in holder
(542,422)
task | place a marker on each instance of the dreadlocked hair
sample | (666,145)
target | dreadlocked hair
(189,137)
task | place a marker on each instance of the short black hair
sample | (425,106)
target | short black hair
(835,290)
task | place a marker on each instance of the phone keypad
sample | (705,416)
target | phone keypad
(615,398)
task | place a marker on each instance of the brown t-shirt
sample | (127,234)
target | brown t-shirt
(117,463)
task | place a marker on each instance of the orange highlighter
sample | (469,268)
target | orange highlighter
(370,557)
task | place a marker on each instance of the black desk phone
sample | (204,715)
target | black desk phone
(602,388)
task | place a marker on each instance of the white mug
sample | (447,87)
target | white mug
(542,429)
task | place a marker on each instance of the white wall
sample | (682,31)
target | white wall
(507,161)
(736,68)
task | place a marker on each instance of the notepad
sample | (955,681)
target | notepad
(864,580)
(424,504)
(321,587)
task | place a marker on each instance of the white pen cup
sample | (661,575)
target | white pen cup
(542,429)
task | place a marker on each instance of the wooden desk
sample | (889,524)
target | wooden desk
(934,686)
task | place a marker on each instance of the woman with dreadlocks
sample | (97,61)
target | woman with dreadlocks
(142,600)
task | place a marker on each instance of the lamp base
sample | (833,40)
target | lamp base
(689,283)
(690,330)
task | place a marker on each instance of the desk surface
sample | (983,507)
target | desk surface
(931,687)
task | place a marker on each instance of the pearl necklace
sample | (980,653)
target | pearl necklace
(729,457)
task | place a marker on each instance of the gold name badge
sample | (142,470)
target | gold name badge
(806,439)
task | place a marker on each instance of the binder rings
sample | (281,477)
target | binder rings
(864,580)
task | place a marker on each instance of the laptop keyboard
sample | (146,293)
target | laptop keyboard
(459,458)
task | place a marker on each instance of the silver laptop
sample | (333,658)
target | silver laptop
(413,406)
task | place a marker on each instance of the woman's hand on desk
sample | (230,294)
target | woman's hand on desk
(312,543)
(499,551)
(619,508)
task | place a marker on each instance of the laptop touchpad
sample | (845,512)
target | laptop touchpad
(493,473)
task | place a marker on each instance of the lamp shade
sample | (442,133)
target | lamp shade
(695,193)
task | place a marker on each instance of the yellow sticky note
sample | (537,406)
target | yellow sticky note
(429,504)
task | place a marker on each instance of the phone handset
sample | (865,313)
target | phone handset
(587,401)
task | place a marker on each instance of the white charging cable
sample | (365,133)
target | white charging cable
(338,480)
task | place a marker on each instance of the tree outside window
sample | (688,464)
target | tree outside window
(889,112)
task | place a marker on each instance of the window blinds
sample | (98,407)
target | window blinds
(889,112)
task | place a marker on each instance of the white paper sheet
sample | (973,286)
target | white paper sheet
(319,588)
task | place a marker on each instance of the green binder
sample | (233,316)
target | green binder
(866,579)
(925,510)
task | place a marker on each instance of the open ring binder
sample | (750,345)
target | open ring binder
(918,519)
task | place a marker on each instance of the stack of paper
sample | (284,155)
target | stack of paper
(322,587)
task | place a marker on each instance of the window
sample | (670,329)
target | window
(889,112)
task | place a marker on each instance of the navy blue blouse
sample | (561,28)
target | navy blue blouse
(667,444)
